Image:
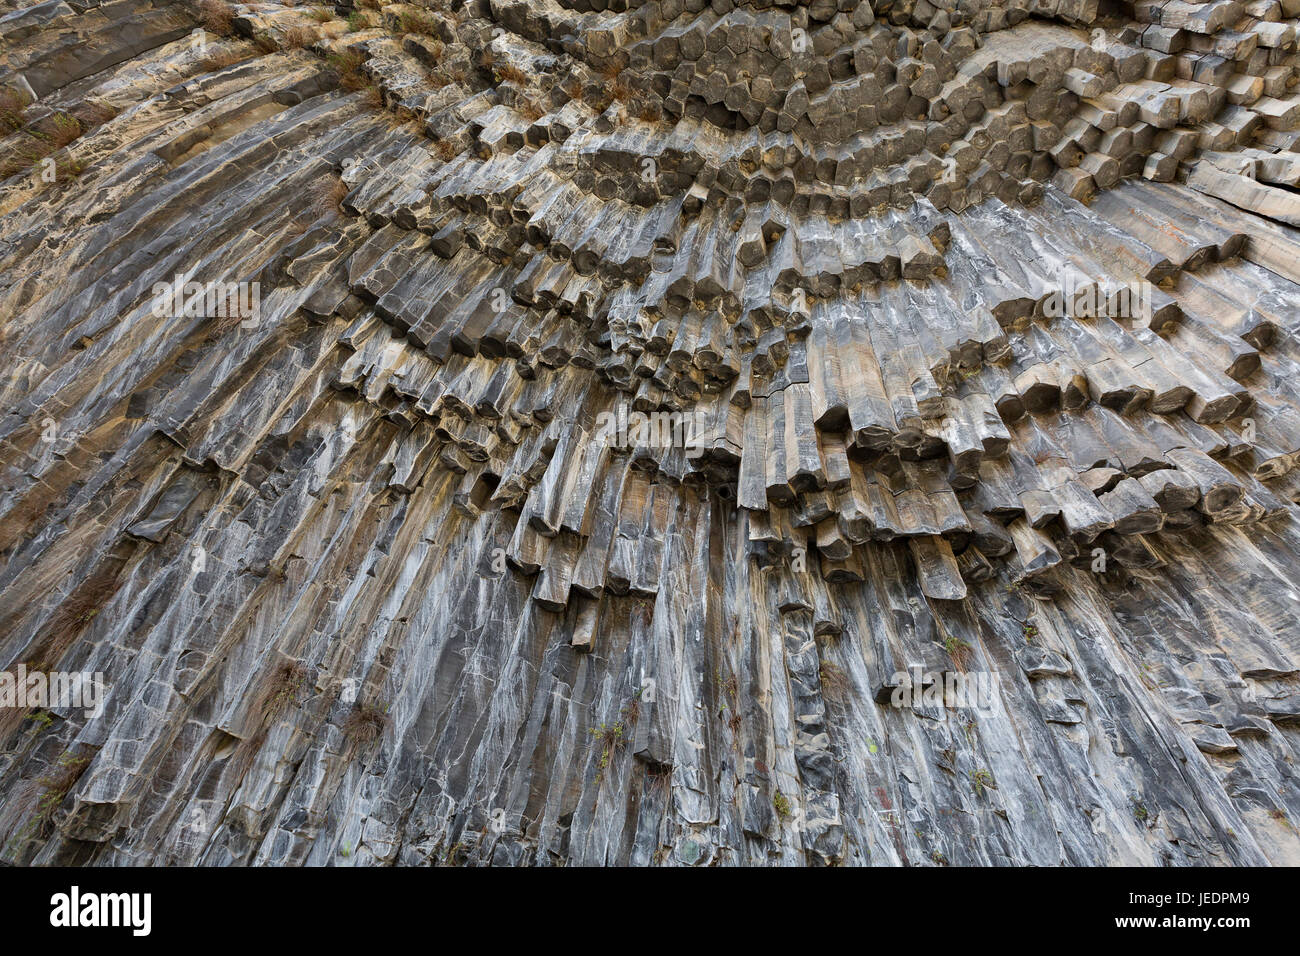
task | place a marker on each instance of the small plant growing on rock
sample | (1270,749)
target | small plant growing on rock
(298,37)
(35,148)
(446,149)
(321,14)
(365,724)
(781,804)
(509,73)
(960,651)
(658,778)
(620,90)
(417,21)
(573,89)
(287,681)
(58,783)
(729,691)
(835,683)
(611,739)
(631,712)
(63,130)
(358,21)
(327,194)
(40,719)
(348,64)
(217,16)
(1030,631)
(265,42)
(735,721)
(981,780)
(1148,676)
(13,105)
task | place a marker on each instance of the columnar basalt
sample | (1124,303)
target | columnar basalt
(973,539)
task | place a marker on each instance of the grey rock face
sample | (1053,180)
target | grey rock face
(747,433)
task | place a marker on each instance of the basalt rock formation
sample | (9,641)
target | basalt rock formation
(976,323)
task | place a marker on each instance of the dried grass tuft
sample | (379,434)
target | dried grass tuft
(217,16)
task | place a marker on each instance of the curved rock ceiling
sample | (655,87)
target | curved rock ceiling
(981,321)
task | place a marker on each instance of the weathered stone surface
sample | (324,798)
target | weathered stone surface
(389,570)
